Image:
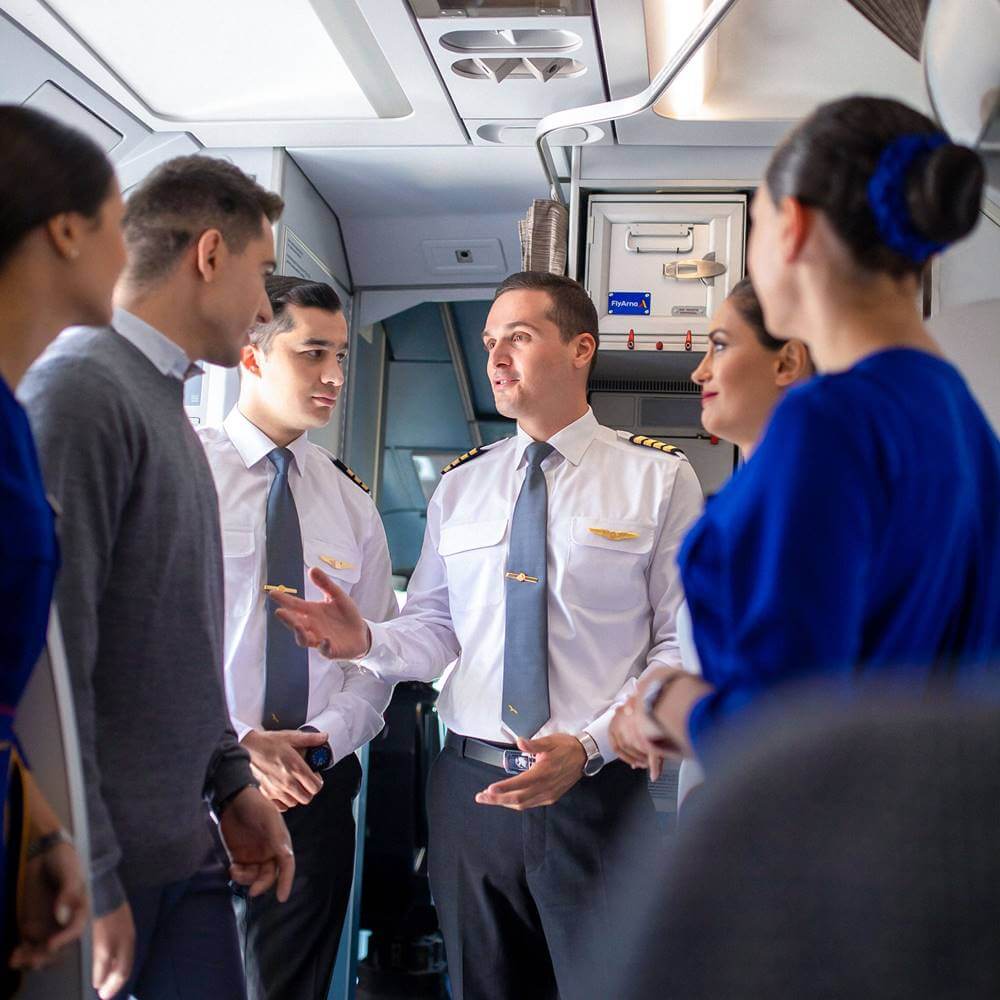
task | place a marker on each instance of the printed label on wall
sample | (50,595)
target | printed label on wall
(629,303)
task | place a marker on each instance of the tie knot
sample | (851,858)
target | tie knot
(280,458)
(537,452)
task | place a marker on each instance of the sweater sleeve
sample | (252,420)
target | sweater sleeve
(88,465)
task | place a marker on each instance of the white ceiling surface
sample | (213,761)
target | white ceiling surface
(272,71)
(390,201)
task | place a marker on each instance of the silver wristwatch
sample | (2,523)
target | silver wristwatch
(594,760)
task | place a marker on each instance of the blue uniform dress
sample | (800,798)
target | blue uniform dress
(862,538)
(28,563)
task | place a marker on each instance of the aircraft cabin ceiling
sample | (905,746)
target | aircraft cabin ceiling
(335,73)
(414,119)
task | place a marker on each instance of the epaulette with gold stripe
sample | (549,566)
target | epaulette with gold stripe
(648,442)
(462,459)
(351,474)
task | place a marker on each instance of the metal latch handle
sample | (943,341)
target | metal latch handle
(705,269)
(658,231)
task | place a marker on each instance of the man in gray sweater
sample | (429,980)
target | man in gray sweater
(140,593)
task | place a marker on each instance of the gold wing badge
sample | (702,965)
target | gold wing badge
(613,536)
(336,563)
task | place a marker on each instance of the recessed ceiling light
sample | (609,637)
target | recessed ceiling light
(241,60)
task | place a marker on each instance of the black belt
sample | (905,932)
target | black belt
(507,758)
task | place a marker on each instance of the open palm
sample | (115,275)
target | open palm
(334,625)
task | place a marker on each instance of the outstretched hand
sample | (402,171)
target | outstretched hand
(558,766)
(334,625)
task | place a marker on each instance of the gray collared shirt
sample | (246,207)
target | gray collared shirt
(168,357)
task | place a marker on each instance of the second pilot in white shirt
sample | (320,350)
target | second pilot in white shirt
(272,480)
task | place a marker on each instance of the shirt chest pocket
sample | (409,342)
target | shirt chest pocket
(607,562)
(474,556)
(339,558)
(243,561)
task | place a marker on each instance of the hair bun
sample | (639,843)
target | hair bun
(944,193)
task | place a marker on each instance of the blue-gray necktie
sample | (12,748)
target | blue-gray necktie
(286,689)
(526,639)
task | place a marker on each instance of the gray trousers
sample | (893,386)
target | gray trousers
(529,902)
(290,948)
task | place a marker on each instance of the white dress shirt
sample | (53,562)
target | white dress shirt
(342,534)
(617,513)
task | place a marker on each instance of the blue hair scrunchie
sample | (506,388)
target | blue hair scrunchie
(887,195)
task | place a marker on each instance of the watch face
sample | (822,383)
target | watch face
(593,765)
(320,758)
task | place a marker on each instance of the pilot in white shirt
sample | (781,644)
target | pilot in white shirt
(617,515)
(567,531)
(321,712)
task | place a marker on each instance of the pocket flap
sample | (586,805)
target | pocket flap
(237,542)
(473,535)
(618,536)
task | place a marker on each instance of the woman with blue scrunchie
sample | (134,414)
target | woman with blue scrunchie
(862,538)
(60,254)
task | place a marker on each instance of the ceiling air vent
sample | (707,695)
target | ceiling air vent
(501,68)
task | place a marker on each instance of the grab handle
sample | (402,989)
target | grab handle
(653,231)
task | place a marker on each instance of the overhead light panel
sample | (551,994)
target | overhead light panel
(241,60)
(668,25)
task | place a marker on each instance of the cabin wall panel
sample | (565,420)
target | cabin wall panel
(966,312)
(26,64)
(313,220)
(394,203)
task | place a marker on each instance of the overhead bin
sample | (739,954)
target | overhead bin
(659,265)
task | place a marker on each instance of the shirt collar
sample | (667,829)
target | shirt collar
(165,355)
(571,442)
(253,444)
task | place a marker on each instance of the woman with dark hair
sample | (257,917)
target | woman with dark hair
(746,371)
(60,254)
(862,539)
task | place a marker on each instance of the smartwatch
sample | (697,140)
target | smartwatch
(318,758)
(594,761)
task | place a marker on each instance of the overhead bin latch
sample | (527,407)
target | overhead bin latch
(704,269)
(654,237)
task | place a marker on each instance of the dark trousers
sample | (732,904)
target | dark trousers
(290,948)
(528,902)
(186,946)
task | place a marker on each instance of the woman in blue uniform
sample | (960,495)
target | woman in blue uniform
(862,539)
(60,255)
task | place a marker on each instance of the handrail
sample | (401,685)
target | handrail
(625,107)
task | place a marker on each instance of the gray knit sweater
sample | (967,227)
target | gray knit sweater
(140,596)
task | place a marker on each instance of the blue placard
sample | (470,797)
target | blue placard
(629,303)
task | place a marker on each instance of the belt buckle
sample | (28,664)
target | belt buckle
(515,762)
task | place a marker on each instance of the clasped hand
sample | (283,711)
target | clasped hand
(646,742)
(277,760)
